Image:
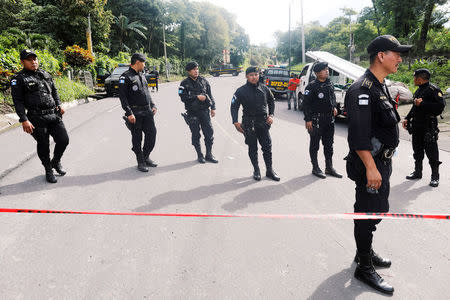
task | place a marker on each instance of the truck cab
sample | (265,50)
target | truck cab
(277,80)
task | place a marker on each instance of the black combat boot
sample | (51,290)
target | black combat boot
(316,170)
(56,164)
(270,173)
(209,156)
(49,176)
(366,273)
(377,260)
(329,170)
(149,162)
(141,163)
(200,157)
(257,174)
(435,174)
(417,174)
(289,107)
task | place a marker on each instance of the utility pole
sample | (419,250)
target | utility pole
(303,34)
(165,50)
(290,54)
(89,36)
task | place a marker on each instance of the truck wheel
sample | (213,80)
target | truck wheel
(216,74)
(235,74)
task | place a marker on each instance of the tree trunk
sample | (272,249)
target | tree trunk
(425,26)
(377,17)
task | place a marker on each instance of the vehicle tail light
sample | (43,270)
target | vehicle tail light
(267,81)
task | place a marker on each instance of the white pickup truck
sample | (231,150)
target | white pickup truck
(342,74)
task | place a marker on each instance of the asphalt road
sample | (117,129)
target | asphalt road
(95,257)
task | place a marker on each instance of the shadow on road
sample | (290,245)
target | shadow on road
(342,285)
(268,193)
(402,195)
(38,183)
(202,192)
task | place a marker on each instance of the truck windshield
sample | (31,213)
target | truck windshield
(278,73)
(119,70)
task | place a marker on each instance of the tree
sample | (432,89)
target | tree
(126,28)
(428,10)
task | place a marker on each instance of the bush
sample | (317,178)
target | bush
(78,57)
(438,66)
(70,90)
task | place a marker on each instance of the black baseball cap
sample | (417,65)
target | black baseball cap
(138,56)
(251,69)
(27,53)
(387,43)
(191,65)
(320,66)
(422,71)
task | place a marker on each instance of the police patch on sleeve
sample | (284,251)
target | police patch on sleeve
(122,80)
(180,90)
(14,82)
(363,99)
(233,99)
(306,92)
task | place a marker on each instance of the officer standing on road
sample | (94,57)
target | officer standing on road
(319,108)
(255,99)
(139,111)
(422,123)
(372,137)
(195,92)
(39,109)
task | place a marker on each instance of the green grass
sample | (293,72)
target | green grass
(69,90)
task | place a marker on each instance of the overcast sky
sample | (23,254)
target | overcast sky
(261,18)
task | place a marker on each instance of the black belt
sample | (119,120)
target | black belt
(42,111)
(386,153)
(263,116)
(140,108)
(322,114)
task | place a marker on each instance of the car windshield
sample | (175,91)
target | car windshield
(278,73)
(119,71)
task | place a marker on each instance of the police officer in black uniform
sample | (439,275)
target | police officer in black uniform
(139,111)
(422,123)
(319,107)
(195,92)
(39,109)
(372,137)
(258,105)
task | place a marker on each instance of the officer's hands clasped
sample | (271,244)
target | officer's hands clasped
(418,101)
(201,97)
(269,120)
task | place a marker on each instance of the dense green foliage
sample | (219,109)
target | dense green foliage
(405,19)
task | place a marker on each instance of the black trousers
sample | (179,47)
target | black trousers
(325,132)
(258,131)
(201,120)
(145,124)
(367,202)
(46,126)
(420,147)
